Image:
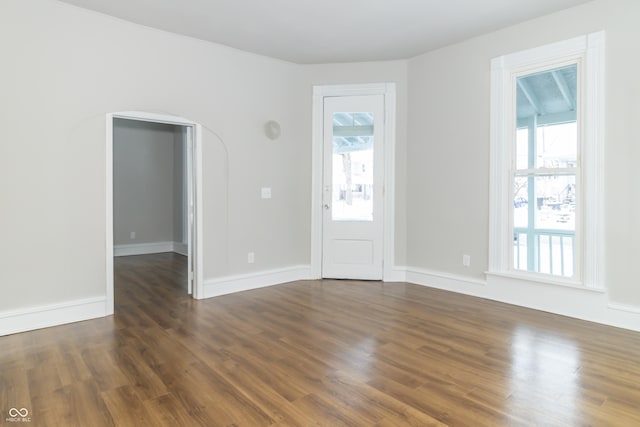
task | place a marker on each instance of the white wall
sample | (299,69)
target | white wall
(65,69)
(144,193)
(68,67)
(448,151)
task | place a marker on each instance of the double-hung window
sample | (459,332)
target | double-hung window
(546,163)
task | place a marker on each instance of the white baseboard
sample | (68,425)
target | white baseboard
(446,281)
(28,319)
(578,303)
(624,307)
(150,248)
(584,304)
(244,282)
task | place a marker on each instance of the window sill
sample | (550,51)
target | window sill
(545,280)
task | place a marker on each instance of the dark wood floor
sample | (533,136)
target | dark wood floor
(326,353)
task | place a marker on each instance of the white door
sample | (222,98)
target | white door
(353,176)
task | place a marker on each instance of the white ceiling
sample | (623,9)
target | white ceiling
(323,31)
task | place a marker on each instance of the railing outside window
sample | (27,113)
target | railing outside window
(544,251)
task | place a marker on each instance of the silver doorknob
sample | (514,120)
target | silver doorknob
(326,206)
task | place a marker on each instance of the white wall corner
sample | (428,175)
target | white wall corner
(445,281)
(180,248)
(396,273)
(28,319)
(244,282)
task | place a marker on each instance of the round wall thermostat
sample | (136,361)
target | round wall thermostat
(272,129)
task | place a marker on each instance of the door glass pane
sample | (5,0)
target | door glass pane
(352,192)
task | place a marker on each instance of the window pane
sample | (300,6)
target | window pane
(555,202)
(522,148)
(520,246)
(557,146)
(554,254)
(546,104)
(544,243)
(352,166)
(521,202)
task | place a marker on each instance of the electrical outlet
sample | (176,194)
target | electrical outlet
(132,235)
(466,260)
(266,192)
(251,257)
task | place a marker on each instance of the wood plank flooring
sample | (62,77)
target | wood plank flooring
(317,353)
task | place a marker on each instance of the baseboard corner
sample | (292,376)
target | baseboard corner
(244,282)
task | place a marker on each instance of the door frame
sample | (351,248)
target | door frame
(196,245)
(388,90)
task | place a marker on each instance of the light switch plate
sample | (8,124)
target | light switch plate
(266,192)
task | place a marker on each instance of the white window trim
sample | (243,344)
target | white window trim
(589,50)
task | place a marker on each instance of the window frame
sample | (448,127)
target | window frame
(588,52)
